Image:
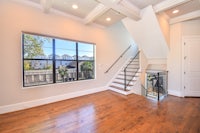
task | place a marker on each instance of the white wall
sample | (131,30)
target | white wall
(190,28)
(174,64)
(16,17)
(163,20)
(147,34)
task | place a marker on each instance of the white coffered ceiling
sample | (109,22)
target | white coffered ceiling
(97,11)
(143,3)
(185,8)
(84,6)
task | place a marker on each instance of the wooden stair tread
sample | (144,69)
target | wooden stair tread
(131,69)
(132,66)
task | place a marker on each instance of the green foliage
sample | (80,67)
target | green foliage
(62,70)
(49,67)
(27,65)
(33,45)
(86,68)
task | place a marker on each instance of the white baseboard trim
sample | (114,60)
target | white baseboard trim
(175,93)
(39,102)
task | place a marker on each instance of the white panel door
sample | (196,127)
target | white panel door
(191,69)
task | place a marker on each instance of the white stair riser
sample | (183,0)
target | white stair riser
(127,77)
(132,65)
(122,80)
(128,73)
(134,62)
(136,59)
(117,85)
(131,68)
(119,80)
(121,85)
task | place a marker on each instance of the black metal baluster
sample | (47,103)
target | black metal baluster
(158,87)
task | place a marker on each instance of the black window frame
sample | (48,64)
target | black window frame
(54,58)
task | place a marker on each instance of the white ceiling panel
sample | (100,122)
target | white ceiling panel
(112,14)
(184,8)
(84,6)
(144,3)
(36,1)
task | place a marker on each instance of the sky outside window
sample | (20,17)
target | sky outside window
(64,49)
(85,49)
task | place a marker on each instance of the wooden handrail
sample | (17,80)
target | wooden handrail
(117,59)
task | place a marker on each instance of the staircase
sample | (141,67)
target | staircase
(127,80)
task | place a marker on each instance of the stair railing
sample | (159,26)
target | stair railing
(128,81)
(118,59)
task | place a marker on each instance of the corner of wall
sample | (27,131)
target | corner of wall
(163,20)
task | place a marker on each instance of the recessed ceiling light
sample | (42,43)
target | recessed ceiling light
(74,6)
(108,19)
(175,11)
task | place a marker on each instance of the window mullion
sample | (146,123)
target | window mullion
(77,67)
(54,62)
(23,58)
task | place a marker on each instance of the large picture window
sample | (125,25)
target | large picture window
(48,60)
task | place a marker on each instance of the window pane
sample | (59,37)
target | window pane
(37,47)
(65,49)
(37,72)
(66,71)
(86,70)
(85,51)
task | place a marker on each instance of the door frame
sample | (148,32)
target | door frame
(184,38)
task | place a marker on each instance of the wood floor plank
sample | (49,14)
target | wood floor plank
(107,112)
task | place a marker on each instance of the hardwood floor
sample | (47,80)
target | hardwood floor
(107,112)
